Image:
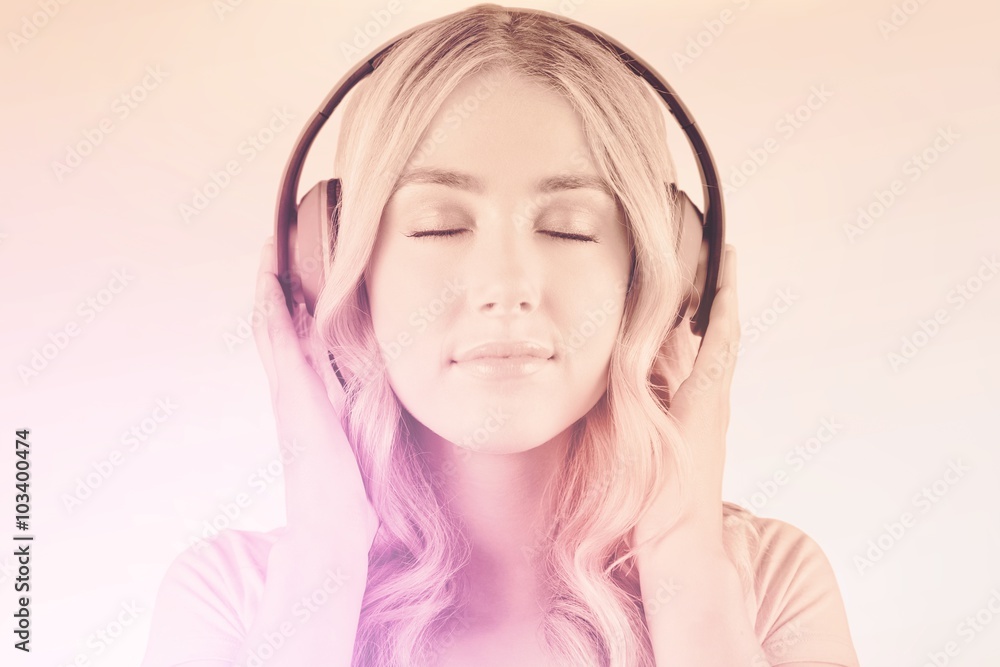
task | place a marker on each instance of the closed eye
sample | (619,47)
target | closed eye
(444,232)
(559,235)
(572,237)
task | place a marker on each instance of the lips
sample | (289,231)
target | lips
(505,349)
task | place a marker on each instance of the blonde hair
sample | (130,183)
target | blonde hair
(620,450)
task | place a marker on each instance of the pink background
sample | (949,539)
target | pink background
(163,336)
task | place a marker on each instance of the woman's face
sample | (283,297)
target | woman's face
(500,230)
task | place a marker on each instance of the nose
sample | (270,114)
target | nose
(505,276)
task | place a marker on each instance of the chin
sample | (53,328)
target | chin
(499,447)
(516,436)
(510,421)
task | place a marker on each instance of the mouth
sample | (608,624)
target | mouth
(506,367)
(505,349)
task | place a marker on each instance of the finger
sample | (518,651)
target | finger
(319,358)
(729,311)
(728,345)
(262,308)
(719,348)
(283,333)
(298,296)
(278,341)
(730,281)
(678,355)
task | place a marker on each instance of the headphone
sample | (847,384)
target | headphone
(305,234)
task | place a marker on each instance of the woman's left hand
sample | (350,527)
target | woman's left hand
(700,407)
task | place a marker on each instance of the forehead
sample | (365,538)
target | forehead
(503,131)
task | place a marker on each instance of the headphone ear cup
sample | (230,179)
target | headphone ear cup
(312,236)
(693,253)
(311,240)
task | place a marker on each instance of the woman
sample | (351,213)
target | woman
(560,507)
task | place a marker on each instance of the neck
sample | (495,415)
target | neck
(497,499)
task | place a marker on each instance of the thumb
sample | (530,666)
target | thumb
(315,351)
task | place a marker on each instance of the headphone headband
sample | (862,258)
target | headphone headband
(713,226)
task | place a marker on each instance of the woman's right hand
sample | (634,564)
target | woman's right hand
(328,511)
(310,605)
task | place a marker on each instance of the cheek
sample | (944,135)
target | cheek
(409,292)
(399,295)
(407,324)
(589,318)
(410,317)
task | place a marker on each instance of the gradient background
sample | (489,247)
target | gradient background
(164,336)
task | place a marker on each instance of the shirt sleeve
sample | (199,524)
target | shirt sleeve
(205,602)
(801,615)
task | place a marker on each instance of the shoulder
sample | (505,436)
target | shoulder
(207,598)
(231,566)
(230,552)
(800,614)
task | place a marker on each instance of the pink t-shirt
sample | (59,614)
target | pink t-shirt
(208,597)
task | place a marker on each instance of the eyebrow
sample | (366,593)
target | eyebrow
(469,183)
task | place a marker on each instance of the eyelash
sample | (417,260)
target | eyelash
(564,236)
